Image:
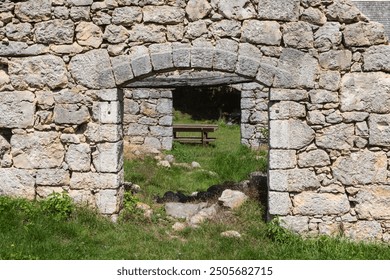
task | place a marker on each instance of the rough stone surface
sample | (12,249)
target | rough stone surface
(17,183)
(298,224)
(197,9)
(95,181)
(367,92)
(364,34)
(282,159)
(38,72)
(261,32)
(78,157)
(17,109)
(377,58)
(33,10)
(93,69)
(52,177)
(108,157)
(55,32)
(232,199)
(163,14)
(298,35)
(373,202)
(279,203)
(240,9)
(37,150)
(361,168)
(365,231)
(315,158)
(379,130)
(336,137)
(309,203)
(89,34)
(183,210)
(293,180)
(290,134)
(285,10)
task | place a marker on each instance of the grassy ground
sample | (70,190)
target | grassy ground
(56,229)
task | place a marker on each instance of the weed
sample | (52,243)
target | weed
(59,205)
(279,234)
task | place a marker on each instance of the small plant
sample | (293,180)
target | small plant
(60,205)
(279,234)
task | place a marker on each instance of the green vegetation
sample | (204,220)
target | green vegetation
(54,228)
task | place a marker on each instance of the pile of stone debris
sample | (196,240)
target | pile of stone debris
(218,200)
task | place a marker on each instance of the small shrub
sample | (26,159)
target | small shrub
(60,205)
(279,234)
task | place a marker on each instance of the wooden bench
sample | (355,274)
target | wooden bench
(202,138)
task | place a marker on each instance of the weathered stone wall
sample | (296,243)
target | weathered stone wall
(148,119)
(324,66)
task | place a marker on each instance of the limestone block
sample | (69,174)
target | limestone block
(279,203)
(379,130)
(196,29)
(232,199)
(288,94)
(80,2)
(282,159)
(313,16)
(298,35)
(364,34)
(311,203)
(181,55)
(122,69)
(315,158)
(101,18)
(159,131)
(163,14)
(284,10)
(336,60)
(285,110)
(52,177)
(226,28)
(17,109)
(17,183)
(80,13)
(323,97)
(175,33)
(18,32)
(377,58)
(93,69)
(148,33)
(75,48)
(21,49)
(328,36)
(108,157)
(164,106)
(61,12)
(67,96)
(364,231)
(297,69)
(183,210)
(153,142)
(78,157)
(4,78)
(330,80)
(38,72)
(261,32)
(6,6)
(298,224)
(103,133)
(349,117)
(315,118)
(33,10)
(290,134)
(107,112)
(225,57)
(44,191)
(197,9)
(338,137)
(239,9)
(94,181)
(166,121)
(161,56)
(37,150)
(329,228)
(373,202)
(343,11)
(258,117)
(361,168)
(137,130)
(71,114)
(89,34)
(202,54)
(108,201)
(83,197)
(115,34)
(140,60)
(369,92)
(127,16)
(56,31)
(293,180)
(166,143)
(248,61)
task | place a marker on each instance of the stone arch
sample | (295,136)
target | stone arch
(326,66)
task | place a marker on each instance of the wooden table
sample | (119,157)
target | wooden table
(202,138)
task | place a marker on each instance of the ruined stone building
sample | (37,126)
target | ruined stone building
(316,75)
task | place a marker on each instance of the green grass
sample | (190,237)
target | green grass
(28,232)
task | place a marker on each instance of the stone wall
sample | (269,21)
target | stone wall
(148,119)
(324,66)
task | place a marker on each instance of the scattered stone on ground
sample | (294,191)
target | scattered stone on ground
(183,210)
(232,199)
(195,165)
(147,210)
(164,163)
(231,234)
(178,226)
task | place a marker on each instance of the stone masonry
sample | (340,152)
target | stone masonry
(322,64)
